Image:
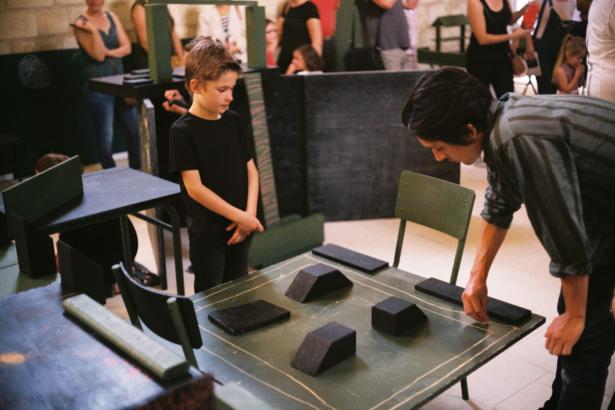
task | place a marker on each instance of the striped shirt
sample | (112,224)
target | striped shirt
(557,156)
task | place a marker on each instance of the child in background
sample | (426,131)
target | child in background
(569,68)
(305,61)
(272,42)
(219,179)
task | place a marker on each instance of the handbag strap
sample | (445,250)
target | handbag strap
(541,15)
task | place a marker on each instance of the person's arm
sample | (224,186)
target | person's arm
(138,21)
(565,330)
(88,37)
(209,199)
(315,32)
(474,297)
(384,4)
(478,25)
(178,48)
(125,48)
(251,204)
(410,4)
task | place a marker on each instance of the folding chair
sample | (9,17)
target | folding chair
(171,317)
(437,204)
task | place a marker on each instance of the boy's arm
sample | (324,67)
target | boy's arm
(253,187)
(212,201)
(251,205)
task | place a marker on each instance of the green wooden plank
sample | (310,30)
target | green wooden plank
(45,192)
(255,33)
(159,41)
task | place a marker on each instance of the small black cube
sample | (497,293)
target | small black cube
(395,316)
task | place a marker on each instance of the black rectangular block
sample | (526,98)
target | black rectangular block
(324,348)
(250,316)
(497,309)
(350,258)
(396,316)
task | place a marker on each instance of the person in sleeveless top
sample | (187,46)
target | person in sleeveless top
(103,42)
(298,24)
(488,55)
(137,15)
(569,67)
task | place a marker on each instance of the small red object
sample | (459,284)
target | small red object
(529,18)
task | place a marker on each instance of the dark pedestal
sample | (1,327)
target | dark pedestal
(324,348)
(396,316)
(315,281)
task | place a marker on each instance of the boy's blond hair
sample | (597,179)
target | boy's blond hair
(207,60)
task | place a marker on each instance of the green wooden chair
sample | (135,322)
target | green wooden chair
(171,317)
(437,204)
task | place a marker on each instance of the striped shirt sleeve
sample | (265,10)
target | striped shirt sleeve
(541,173)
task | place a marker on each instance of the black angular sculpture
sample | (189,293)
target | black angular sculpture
(324,348)
(396,316)
(315,281)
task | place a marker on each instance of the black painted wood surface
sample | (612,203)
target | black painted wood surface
(356,146)
(49,361)
(110,193)
(114,85)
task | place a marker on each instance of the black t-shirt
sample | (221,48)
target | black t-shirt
(295,32)
(219,150)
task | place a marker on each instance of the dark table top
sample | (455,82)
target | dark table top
(47,360)
(387,372)
(114,85)
(107,194)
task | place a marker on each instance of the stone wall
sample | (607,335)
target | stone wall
(38,25)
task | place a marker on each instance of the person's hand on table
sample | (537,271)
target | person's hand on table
(474,299)
(563,333)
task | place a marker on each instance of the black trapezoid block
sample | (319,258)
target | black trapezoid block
(315,281)
(324,348)
(396,316)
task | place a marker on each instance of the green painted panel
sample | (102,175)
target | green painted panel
(159,41)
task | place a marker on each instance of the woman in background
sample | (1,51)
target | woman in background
(299,24)
(137,14)
(488,57)
(103,42)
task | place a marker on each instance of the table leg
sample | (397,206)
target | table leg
(162,265)
(177,248)
(126,243)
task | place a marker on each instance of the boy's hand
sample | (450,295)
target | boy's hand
(248,223)
(238,235)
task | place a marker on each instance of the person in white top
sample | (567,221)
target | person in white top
(227,24)
(601,49)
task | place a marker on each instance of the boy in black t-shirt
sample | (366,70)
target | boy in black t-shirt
(218,176)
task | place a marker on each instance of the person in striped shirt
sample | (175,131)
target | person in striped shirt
(556,155)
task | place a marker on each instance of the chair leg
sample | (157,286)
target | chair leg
(464,389)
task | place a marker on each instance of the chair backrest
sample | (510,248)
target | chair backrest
(171,317)
(437,204)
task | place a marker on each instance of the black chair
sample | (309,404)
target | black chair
(171,317)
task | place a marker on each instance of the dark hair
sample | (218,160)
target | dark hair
(443,102)
(49,160)
(313,62)
(207,60)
